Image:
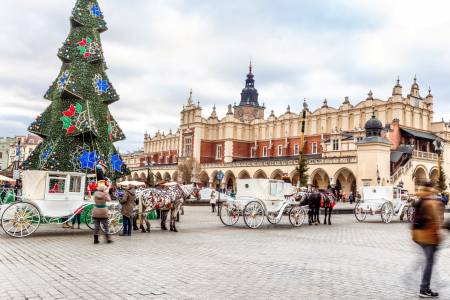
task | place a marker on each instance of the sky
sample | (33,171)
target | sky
(157,51)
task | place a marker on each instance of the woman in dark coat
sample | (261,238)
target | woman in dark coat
(100,213)
(128,202)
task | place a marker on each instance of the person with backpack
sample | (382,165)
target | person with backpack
(426,232)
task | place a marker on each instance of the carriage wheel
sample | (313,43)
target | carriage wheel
(387,212)
(253,214)
(297,216)
(20,219)
(88,218)
(229,214)
(360,213)
(272,218)
(115,220)
(410,213)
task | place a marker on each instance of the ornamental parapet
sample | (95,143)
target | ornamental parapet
(262,162)
(283,162)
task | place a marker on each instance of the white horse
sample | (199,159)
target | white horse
(168,198)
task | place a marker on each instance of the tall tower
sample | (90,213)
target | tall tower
(249,108)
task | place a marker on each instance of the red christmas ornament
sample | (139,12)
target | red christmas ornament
(71,129)
(70,112)
(83,42)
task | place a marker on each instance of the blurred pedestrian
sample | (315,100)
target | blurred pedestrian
(100,213)
(127,202)
(213,200)
(77,218)
(351,197)
(426,232)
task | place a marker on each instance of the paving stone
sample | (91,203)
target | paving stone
(206,260)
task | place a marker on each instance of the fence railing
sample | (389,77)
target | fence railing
(425,155)
(402,170)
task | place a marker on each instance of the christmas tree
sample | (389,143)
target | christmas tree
(442,180)
(77,128)
(302,170)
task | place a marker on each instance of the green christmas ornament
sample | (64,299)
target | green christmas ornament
(78,120)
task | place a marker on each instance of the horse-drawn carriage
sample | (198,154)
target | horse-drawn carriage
(257,199)
(388,201)
(51,197)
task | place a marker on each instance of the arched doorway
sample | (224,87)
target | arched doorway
(345,181)
(204,178)
(420,176)
(142,177)
(277,174)
(175,176)
(244,175)
(260,174)
(135,176)
(166,176)
(434,175)
(320,179)
(158,176)
(230,181)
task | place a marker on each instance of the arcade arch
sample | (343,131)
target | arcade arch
(345,181)
(260,174)
(319,178)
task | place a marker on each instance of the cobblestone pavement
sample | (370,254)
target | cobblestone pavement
(206,260)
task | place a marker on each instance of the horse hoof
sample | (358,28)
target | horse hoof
(142,231)
(329,223)
(175,230)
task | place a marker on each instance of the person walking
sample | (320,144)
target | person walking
(426,232)
(77,218)
(100,213)
(351,198)
(213,201)
(127,202)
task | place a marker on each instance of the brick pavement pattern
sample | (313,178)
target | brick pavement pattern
(207,260)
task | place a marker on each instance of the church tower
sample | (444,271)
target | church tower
(249,108)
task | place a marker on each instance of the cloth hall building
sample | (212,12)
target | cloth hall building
(371,142)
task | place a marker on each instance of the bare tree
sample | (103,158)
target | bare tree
(189,169)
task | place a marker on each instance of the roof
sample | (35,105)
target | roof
(420,134)
(395,156)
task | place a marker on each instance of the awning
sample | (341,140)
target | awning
(395,156)
(420,134)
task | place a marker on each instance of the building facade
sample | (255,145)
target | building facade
(5,142)
(341,147)
(27,145)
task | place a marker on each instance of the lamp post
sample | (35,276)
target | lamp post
(219,178)
(378,176)
(148,165)
(438,149)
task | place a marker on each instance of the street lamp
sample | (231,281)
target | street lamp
(148,165)
(438,149)
(378,176)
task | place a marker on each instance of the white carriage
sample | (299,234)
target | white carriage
(257,199)
(51,198)
(388,201)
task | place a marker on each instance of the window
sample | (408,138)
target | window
(264,154)
(314,148)
(219,151)
(188,146)
(167,159)
(296,149)
(75,184)
(57,185)
(280,150)
(335,145)
(252,152)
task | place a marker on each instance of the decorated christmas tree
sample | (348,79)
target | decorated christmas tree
(77,127)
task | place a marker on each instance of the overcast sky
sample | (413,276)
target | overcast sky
(157,50)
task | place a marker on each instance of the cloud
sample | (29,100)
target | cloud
(157,50)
